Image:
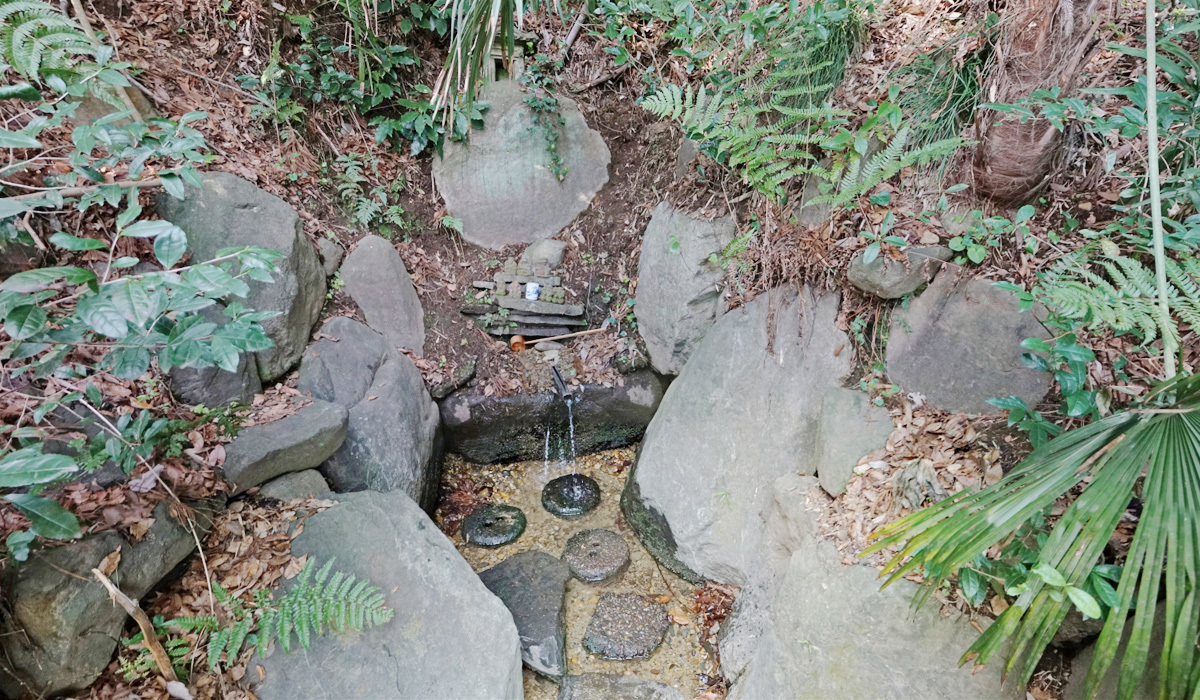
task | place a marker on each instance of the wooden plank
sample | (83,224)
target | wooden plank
(539,307)
(531,331)
(504,278)
(538,320)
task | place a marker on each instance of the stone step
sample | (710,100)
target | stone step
(479,284)
(505,278)
(539,320)
(530,331)
(539,307)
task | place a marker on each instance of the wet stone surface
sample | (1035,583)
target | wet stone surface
(533,586)
(626,626)
(571,496)
(493,525)
(596,555)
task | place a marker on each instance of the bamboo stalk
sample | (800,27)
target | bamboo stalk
(517,343)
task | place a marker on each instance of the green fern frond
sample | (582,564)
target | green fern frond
(37,40)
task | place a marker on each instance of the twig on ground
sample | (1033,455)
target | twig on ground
(161,659)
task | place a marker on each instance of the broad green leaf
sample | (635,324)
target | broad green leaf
(68,242)
(33,280)
(29,466)
(973,586)
(48,518)
(130,298)
(1086,604)
(25,322)
(19,91)
(12,207)
(16,139)
(147,229)
(102,317)
(170,246)
(1050,575)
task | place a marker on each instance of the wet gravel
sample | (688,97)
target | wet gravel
(681,658)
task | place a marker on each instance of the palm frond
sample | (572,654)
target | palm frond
(1152,452)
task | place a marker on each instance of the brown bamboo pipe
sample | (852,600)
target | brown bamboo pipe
(517,343)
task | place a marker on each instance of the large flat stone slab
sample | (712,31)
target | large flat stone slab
(533,586)
(499,184)
(449,638)
(301,441)
(959,344)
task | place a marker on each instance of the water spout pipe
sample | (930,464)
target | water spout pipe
(563,392)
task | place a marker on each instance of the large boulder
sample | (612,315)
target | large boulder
(63,627)
(959,344)
(746,409)
(303,484)
(891,279)
(301,441)
(807,626)
(213,386)
(378,282)
(228,211)
(679,287)
(489,429)
(500,185)
(838,450)
(449,638)
(393,435)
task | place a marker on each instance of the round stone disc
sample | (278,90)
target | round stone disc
(571,496)
(493,525)
(596,555)
(626,626)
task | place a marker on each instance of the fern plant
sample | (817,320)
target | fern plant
(40,43)
(319,601)
(1112,290)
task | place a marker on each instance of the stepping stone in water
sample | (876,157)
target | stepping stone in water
(493,525)
(533,585)
(626,626)
(596,555)
(605,686)
(571,496)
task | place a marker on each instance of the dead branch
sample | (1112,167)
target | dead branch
(161,659)
(80,191)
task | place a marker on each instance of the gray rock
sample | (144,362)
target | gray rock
(393,439)
(1146,690)
(596,555)
(342,364)
(604,686)
(957,222)
(571,496)
(449,638)
(376,279)
(493,525)
(679,293)
(301,441)
(543,257)
(499,184)
(462,374)
(533,585)
(303,484)
(838,449)
(213,386)
(745,411)
(892,279)
(626,626)
(16,256)
(825,630)
(684,156)
(64,629)
(960,345)
(331,255)
(487,429)
(229,211)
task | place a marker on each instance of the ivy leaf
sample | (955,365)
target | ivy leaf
(170,246)
(132,301)
(29,466)
(68,242)
(49,519)
(25,322)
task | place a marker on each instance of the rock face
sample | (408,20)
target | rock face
(392,436)
(738,417)
(838,450)
(64,629)
(213,386)
(500,186)
(543,257)
(809,627)
(303,484)
(604,686)
(1146,690)
(892,279)
(679,292)
(533,586)
(959,345)
(331,256)
(486,430)
(301,441)
(229,211)
(378,282)
(449,638)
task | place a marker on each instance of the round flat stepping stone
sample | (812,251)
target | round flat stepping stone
(596,555)
(626,626)
(493,525)
(571,496)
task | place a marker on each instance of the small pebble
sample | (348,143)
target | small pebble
(626,626)
(493,525)
(596,555)
(571,496)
